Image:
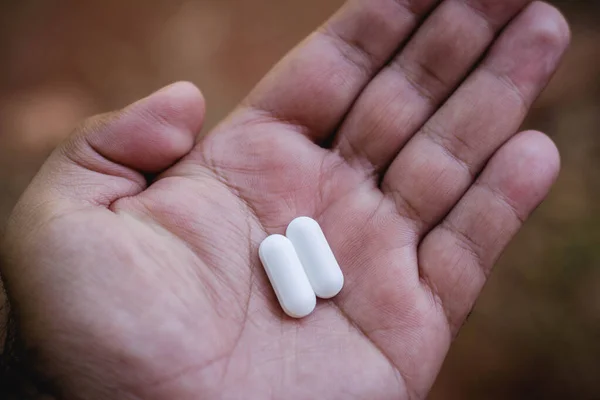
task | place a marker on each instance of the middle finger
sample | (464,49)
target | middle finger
(408,91)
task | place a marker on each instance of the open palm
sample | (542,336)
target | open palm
(386,125)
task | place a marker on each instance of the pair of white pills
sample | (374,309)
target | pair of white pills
(301,267)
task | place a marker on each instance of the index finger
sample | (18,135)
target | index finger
(313,86)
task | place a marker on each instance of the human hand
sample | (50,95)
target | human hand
(132,288)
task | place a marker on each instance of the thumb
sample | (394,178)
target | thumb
(106,158)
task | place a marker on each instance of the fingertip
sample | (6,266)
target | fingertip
(186,98)
(525,169)
(551,14)
(531,48)
(180,105)
(538,149)
(548,25)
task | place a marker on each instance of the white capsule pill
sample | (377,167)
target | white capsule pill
(287,276)
(316,256)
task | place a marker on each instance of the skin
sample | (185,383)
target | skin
(393,125)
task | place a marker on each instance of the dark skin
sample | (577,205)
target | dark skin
(395,125)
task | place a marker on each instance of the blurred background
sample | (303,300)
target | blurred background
(535,333)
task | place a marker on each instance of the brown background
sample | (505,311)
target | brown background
(535,334)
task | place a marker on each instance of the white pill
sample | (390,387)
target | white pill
(316,256)
(287,276)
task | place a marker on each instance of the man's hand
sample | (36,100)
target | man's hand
(394,125)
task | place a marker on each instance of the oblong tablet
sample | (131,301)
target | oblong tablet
(287,276)
(316,256)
